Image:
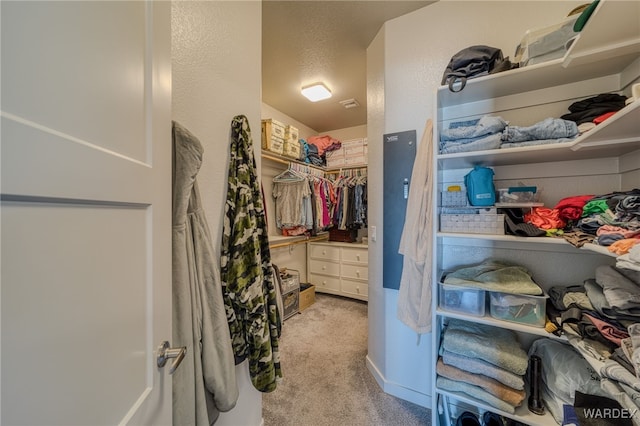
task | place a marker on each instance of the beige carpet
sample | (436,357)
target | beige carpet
(326,381)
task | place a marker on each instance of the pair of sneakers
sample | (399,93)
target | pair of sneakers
(488,419)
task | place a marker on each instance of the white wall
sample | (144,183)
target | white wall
(630,166)
(405,66)
(270,112)
(355,132)
(376,350)
(216,58)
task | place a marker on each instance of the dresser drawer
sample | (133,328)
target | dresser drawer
(358,272)
(357,288)
(324,267)
(324,252)
(355,255)
(323,282)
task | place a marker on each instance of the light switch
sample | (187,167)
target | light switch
(374,235)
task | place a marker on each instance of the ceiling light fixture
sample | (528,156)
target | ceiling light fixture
(316,92)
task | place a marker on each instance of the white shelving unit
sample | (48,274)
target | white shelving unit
(604,58)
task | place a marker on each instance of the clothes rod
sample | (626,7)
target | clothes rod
(288,161)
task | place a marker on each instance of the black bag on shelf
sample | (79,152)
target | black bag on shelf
(474,61)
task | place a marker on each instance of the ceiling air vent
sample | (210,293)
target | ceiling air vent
(349,103)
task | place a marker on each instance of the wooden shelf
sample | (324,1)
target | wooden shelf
(598,42)
(278,241)
(604,57)
(489,320)
(598,51)
(553,244)
(272,156)
(617,136)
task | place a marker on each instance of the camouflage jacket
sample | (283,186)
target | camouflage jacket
(247,277)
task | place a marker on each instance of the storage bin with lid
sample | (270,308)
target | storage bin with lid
(518,194)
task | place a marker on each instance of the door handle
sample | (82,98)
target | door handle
(165,352)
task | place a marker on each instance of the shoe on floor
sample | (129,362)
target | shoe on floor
(492,419)
(467,419)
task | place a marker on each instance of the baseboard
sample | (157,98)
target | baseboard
(397,390)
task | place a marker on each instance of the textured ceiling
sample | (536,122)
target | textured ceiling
(304,42)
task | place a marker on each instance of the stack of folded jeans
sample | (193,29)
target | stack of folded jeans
(475,135)
(547,131)
(494,132)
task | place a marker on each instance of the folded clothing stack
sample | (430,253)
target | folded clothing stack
(564,372)
(484,362)
(489,132)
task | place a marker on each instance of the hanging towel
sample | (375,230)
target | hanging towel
(247,274)
(414,297)
(205,383)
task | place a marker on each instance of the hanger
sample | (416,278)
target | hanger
(289,175)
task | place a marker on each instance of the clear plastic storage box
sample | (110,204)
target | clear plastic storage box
(464,300)
(518,194)
(520,308)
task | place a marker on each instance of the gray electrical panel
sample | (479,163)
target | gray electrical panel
(399,155)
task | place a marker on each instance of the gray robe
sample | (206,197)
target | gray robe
(205,383)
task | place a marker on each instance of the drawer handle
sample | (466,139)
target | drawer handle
(358,256)
(324,267)
(357,273)
(324,252)
(324,283)
(358,289)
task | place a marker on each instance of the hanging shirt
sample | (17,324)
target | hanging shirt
(289,199)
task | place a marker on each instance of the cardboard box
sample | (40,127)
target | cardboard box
(273,136)
(335,158)
(307,296)
(353,148)
(275,145)
(354,161)
(291,133)
(292,148)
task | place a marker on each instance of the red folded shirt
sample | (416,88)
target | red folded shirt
(571,207)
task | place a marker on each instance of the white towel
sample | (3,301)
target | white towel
(414,297)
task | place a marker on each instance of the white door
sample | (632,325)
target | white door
(86,212)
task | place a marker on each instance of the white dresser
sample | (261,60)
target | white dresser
(339,268)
